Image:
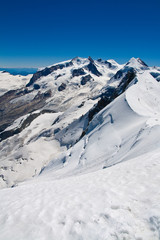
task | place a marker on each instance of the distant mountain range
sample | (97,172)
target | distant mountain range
(80,152)
(70,94)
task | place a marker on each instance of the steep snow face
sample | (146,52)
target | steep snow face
(63,93)
(12,82)
(73,78)
(94,177)
(49,134)
(134,65)
(143,97)
(126,128)
(137,63)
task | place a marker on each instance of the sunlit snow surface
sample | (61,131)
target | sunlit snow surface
(120,202)
(25,154)
(12,82)
(105,187)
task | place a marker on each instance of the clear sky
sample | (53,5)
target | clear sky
(36,33)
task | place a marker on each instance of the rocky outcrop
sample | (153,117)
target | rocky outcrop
(92,68)
(142,62)
(86,79)
(12,108)
(130,75)
(6,134)
(90,59)
(9,133)
(47,71)
(106,62)
(118,74)
(36,86)
(59,75)
(78,72)
(110,94)
(62,87)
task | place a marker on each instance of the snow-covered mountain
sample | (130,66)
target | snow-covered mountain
(87,132)
(12,82)
(38,114)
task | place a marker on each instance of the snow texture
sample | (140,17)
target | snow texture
(102,186)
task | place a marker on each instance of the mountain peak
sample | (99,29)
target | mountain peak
(136,63)
(75,58)
(142,62)
(90,59)
(79,60)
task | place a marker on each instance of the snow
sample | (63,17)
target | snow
(121,202)
(143,97)
(104,186)
(137,64)
(12,82)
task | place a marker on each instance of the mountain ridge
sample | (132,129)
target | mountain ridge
(80,152)
(77,90)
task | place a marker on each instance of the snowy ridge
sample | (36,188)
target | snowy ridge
(91,152)
(69,120)
(129,135)
(61,91)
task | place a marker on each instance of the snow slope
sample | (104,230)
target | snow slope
(121,202)
(94,177)
(126,128)
(111,137)
(11,82)
(61,111)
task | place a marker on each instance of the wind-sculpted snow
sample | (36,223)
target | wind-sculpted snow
(53,89)
(121,202)
(128,127)
(144,97)
(87,140)
(109,136)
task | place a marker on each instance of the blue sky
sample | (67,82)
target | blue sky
(41,32)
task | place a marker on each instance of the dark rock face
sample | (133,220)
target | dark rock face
(85,79)
(118,74)
(143,63)
(130,75)
(110,94)
(156,76)
(36,86)
(59,75)
(11,110)
(47,94)
(6,134)
(82,104)
(62,87)
(99,60)
(106,98)
(90,59)
(122,72)
(47,71)
(68,64)
(92,68)
(78,72)
(108,63)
